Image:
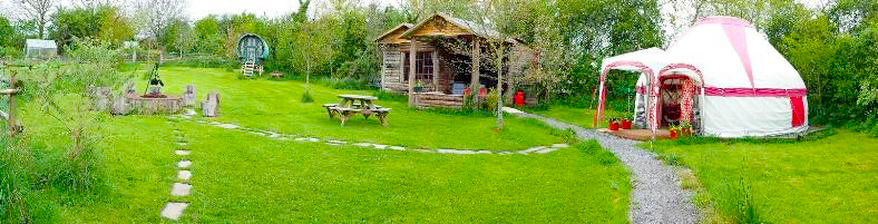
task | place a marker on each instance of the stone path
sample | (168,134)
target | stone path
(174,209)
(334,142)
(656,196)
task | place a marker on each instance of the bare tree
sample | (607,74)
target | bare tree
(490,17)
(154,16)
(38,11)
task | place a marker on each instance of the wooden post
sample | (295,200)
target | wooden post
(435,70)
(11,122)
(413,69)
(474,83)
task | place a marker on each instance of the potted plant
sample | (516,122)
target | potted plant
(419,86)
(685,128)
(613,123)
(626,122)
(675,130)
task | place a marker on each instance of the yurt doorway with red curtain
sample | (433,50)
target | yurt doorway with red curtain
(678,102)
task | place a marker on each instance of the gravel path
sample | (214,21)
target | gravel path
(657,196)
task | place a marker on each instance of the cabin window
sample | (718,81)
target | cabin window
(423,68)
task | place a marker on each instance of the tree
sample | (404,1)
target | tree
(185,39)
(154,16)
(208,35)
(38,12)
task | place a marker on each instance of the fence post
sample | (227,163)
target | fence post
(10,121)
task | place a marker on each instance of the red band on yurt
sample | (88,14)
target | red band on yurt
(758,92)
(798,107)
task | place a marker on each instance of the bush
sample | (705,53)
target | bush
(490,103)
(13,182)
(735,200)
(10,52)
(306,97)
(205,61)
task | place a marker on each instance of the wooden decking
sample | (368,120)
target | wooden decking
(638,134)
(425,100)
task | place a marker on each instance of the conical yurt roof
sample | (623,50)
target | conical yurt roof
(731,53)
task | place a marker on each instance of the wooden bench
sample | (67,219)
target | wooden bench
(345,114)
(329,110)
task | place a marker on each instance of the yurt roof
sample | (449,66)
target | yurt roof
(731,53)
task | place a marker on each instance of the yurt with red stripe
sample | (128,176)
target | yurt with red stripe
(723,77)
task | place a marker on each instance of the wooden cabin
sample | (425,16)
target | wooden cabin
(436,56)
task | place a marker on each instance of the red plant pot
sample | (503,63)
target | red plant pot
(614,126)
(626,124)
(673,134)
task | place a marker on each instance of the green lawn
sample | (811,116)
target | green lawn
(832,179)
(243,178)
(584,117)
(240,177)
(275,105)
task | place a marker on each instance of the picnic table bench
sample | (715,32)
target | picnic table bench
(350,105)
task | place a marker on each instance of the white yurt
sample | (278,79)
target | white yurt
(724,77)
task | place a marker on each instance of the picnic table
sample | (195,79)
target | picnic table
(350,105)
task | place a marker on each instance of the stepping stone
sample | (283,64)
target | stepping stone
(183,152)
(184,164)
(547,150)
(257,133)
(379,146)
(397,148)
(505,153)
(283,139)
(189,113)
(307,139)
(228,126)
(182,143)
(173,210)
(456,152)
(365,145)
(423,150)
(530,150)
(181,190)
(484,152)
(184,175)
(337,142)
(562,145)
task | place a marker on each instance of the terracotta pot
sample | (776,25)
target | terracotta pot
(626,124)
(614,126)
(673,134)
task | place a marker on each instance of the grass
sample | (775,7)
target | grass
(243,178)
(277,106)
(829,179)
(274,181)
(584,117)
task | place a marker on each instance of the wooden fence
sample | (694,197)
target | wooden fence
(9,116)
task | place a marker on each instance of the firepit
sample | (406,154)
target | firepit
(153,101)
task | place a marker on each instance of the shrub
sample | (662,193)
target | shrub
(490,103)
(306,96)
(13,182)
(205,61)
(735,200)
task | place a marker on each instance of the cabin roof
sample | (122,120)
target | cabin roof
(405,26)
(469,26)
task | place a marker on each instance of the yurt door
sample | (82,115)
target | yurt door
(677,98)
